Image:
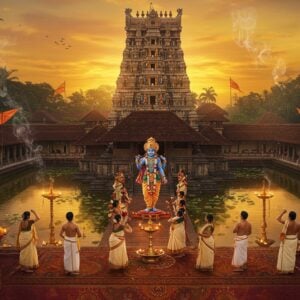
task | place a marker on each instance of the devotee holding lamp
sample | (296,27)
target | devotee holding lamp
(70,233)
(206,247)
(289,241)
(182,206)
(114,209)
(177,244)
(118,258)
(26,242)
(243,229)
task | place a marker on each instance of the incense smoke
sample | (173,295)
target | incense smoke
(278,70)
(244,24)
(21,127)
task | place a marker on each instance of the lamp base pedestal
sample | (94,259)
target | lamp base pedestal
(150,257)
(264,242)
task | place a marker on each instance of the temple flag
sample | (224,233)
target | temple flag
(61,89)
(298,110)
(7,115)
(234,85)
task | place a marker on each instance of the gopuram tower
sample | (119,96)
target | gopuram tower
(153,72)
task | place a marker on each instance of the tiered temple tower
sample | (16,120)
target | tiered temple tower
(153,72)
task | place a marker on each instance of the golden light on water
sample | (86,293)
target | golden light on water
(31,198)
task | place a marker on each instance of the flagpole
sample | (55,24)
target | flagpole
(2,139)
(230,92)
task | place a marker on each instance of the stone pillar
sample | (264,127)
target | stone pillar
(14,153)
(1,155)
(20,152)
(7,154)
(293,153)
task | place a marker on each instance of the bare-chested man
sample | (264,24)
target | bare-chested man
(70,232)
(289,241)
(243,229)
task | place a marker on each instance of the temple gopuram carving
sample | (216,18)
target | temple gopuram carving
(153,72)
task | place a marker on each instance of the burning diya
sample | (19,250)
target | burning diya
(51,196)
(263,241)
(3,232)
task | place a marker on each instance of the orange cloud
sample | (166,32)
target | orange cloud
(95,31)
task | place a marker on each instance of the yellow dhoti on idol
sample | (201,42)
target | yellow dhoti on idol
(151,174)
(151,191)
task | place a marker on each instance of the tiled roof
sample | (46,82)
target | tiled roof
(214,115)
(90,138)
(214,137)
(7,135)
(287,133)
(93,116)
(270,118)
(206,108)
(162,125)
(57,132)
(42,116)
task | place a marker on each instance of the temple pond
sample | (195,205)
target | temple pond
(23,192)
(240,195)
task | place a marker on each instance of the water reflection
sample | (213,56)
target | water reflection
(226,206)
(90,211)
(22,192)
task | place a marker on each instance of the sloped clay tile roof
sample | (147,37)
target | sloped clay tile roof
(214,137)
(93,116)
(57,132)
(42,116)
(214,115)
(162,125)
(286,133)
(90,138)
(206,108)
(270,118)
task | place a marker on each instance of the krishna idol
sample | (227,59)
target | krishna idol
(151,173)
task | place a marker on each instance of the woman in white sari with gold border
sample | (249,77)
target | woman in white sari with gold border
(118,258)
(177,238)
(26,242)
(206,247)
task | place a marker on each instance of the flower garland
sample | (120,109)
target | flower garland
(151,188)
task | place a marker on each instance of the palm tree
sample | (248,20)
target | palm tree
(5,75)
(208,96)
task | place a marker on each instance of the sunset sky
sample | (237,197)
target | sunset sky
(255,42)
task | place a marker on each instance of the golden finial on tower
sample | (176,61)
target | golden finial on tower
(151,6)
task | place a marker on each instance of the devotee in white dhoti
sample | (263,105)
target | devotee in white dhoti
(243,229)
(177,238)
(289,242)
(26,242)
(118,258)
(206,247)
(70,233)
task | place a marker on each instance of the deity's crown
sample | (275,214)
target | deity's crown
(151,143)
